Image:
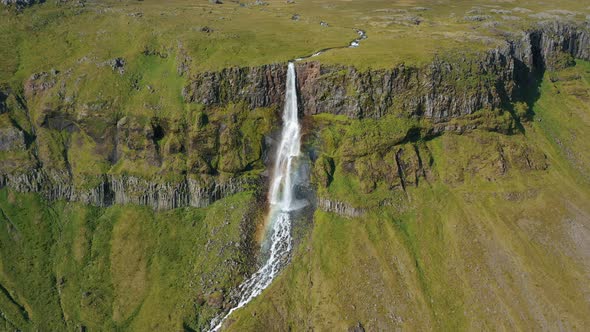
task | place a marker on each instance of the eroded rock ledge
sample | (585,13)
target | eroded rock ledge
(126,190)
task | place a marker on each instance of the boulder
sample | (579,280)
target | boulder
(117,64)
(356,328)
(11,139)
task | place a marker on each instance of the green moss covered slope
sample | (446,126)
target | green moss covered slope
(491,233)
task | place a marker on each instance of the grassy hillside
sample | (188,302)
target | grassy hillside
(482,230)
(66,265)
(473,246)
(243,34)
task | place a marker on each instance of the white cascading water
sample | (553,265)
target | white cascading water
(282,202)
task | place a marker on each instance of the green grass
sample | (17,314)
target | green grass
(454,258)
(563,114)
(127,268)
(251,35)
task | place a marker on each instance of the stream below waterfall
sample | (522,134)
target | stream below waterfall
(282,194)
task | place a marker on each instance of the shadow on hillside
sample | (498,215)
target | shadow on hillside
(527,91)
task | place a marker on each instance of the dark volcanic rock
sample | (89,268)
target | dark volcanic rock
(183,60)
(556,38)
(117,64)
(477,18)
(258,86)
(3,97)
(357,328)
(20,3)
(206,29)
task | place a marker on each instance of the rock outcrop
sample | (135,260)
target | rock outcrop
(125,189)
(20,3)
(339,208)
(449,87)
(11,139)
(354,172)
(3,97)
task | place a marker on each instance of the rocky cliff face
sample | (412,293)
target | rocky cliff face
(213,151)
(449,87)
(81,153)
(258,86)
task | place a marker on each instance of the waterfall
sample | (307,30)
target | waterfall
(282,202)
